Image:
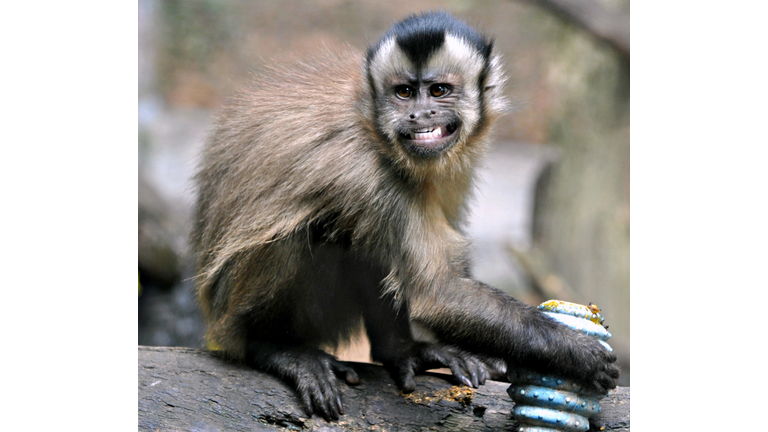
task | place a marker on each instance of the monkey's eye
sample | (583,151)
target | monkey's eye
(438,90)
(403,91)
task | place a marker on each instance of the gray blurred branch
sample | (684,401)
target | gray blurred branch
(606,24)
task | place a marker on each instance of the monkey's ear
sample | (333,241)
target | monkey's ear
(493,89)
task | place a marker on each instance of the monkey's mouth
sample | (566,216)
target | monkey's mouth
(430,134)
(427,141)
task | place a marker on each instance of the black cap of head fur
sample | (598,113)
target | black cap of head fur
(421,35)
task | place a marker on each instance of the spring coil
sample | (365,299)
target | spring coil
(546,403)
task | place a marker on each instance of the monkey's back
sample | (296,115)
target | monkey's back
(286,150)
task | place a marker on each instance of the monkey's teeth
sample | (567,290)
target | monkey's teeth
(427,133)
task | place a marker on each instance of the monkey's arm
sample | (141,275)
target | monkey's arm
(482,319)
(430,272)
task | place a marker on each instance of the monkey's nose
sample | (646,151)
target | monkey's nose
(422,113)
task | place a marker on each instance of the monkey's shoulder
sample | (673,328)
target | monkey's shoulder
(325,77)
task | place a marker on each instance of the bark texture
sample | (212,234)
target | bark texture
(182,389)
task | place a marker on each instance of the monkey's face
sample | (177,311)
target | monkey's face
(422,113)
(428,93)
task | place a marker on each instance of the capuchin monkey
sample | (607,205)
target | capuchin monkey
(332,196)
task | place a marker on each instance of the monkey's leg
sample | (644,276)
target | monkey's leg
(311,371)
(283,302)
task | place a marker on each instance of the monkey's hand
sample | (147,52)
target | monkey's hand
(572,355)
(468,369)
(599,372)
(313,373)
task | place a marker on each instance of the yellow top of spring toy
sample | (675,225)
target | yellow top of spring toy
(590,312)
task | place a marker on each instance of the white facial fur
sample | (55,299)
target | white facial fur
(457,58)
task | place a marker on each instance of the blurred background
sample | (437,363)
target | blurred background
(551,214)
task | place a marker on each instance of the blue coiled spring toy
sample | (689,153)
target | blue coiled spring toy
(546,403)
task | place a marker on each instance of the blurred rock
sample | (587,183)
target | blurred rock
(159,258)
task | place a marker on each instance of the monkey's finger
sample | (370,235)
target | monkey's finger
(333,405)
(406,379)
(470,369)
(317,392)
(610,357)
(314,402)
(606,381)
(478,371)
(599,384)
(325,402)
(306,400)
(350,376)
(331,396)
(459,371)
(313,398)
(613,371)
(458,363)
(598,388)
(482,376)
(339,405)
(487,371)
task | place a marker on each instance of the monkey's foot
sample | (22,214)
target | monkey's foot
(316,383)
(313,373)
(467,368)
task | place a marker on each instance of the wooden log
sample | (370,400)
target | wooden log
(182,389)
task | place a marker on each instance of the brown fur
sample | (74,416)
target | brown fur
(276,163)
(310,221)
